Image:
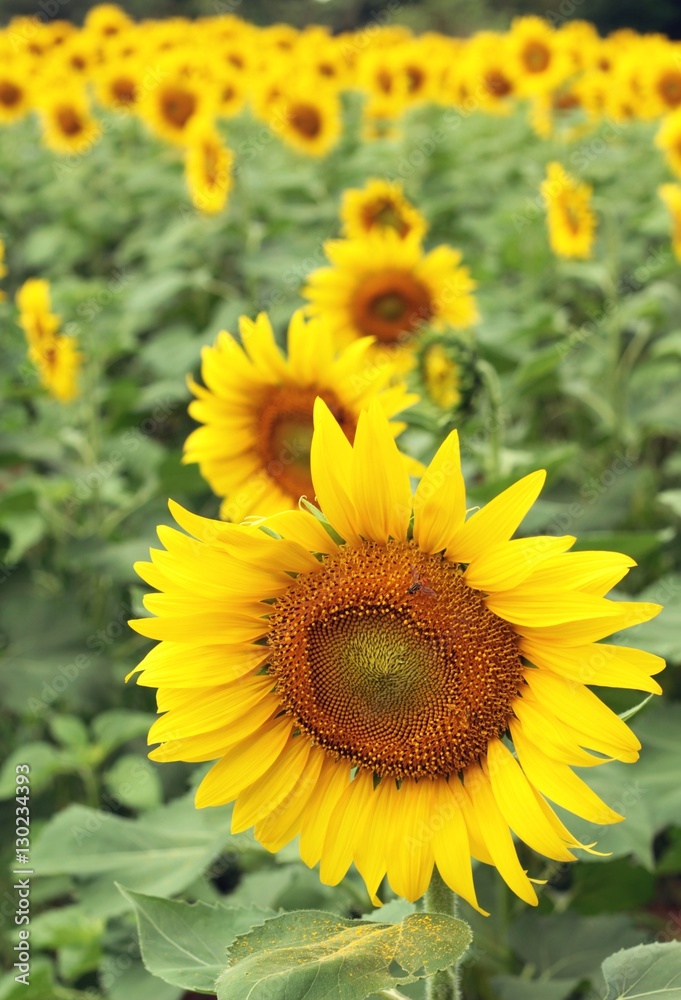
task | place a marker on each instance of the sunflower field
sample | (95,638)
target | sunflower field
(374,339)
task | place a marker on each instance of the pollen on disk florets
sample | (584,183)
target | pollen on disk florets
(387,658)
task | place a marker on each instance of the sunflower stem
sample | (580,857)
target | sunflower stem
(443,985)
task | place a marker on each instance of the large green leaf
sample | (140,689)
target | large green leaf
(319,956)
(651,970)
(161,853)
(186,943)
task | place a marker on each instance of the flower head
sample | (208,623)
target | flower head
(378,207)
(388,288)
(570,219)
(363,686)
(257,407)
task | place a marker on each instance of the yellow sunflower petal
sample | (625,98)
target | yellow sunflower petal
(333,779)
(380,482)
(410,857)
(440,499)
(450,844)
(331,465)
(597,663)
(267,792)
(496,834)
(557,782)
(509,564)
(497,520)
(244,764)
(342,831)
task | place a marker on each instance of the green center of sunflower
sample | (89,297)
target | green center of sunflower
(386,658)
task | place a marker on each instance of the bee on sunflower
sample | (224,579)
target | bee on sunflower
(398,684)
(256,410)
(387,287)
(570,220)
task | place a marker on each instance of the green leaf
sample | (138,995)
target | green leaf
(160,853)
(114,728)
(185,943)
(520,988)
(635,709)
(316,955)
(651,970)
(134,781)
(44,760)
(69,730)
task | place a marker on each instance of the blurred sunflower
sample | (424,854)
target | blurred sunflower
(385,287)
(539,62)
(55,356)
(105,21)
(307,116)
(671,196)
(181,95)
(15,94)
(661,77)
(668,139)
(570,219)
(446,374)
(254,447)
(68,123)
(359,686)
(378,206)
(36,318)
(208,167)
(117,82)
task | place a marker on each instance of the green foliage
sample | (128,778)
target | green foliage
(652,970)
(317,955)
(186,944)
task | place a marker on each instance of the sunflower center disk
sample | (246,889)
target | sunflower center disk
(285,434)
(386,658)
(391,306)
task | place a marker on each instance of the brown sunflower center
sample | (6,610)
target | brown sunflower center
(573,219)
(497,83)
(536,57)
(384,212)
(10,94)
(386,658)
(178,106)
(391,305)
(285,435)
(306,119)
(670,89)
(124,90)
(69,120)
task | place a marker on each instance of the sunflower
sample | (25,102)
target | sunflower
(490,71)
(360,686)
(58,362)
(68,123)
(15,94)
(668,139)
(117,82)
(307,115)
(378,206)
(661,77)
(55,355)
(254,447)
(180,96)
(106,21)
(570,219)
(386,287)
(446,373)
(671,196)
(36,318)
(540,62)
(208,167)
